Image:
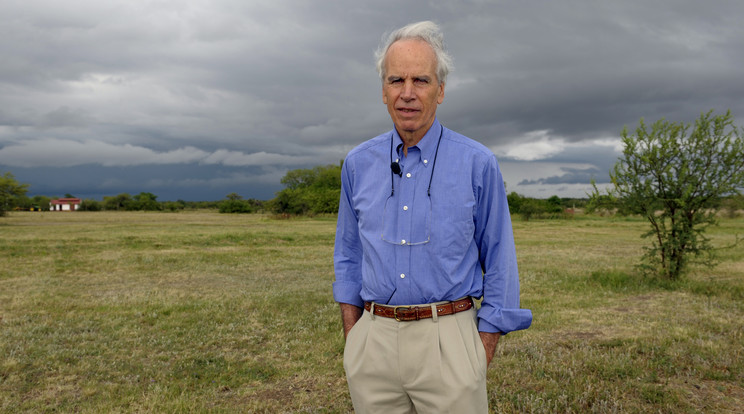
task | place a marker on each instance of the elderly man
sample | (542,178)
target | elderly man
(423,230)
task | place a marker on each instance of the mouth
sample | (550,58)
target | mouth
(408,111)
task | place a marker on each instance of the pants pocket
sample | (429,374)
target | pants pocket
(474,349)
(355,342)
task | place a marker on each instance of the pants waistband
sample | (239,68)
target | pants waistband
(415,313)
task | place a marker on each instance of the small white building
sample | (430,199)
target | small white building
(65,204)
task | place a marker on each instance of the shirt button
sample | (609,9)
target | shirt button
(402,275)
(426,161)
(405,208)
(403,241)
(408,175)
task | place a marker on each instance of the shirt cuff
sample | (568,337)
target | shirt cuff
(504,320)
(348,292)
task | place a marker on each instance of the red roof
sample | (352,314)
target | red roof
(67,201)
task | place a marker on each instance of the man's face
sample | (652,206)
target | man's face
(411,89)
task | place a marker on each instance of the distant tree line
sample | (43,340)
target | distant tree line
(316,191)
(311,191)
(234,203)
(552,208)
(125,202)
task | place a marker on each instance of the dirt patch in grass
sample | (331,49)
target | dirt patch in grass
(635,304)
(714,396)
(282,394)
(300,391)
(584,335)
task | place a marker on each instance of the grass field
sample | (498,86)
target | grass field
(202,312)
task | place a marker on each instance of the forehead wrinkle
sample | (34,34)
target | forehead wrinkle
(407,76)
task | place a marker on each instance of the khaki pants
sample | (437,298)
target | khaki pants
(433,365)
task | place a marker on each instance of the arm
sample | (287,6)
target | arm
(499,310)
(347,257)
(350,314)
(490,340)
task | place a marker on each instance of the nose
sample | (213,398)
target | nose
(407,92)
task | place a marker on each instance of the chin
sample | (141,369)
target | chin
(409,126)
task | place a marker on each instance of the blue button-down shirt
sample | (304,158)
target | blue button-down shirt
(413,248)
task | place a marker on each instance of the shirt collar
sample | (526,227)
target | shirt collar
(427,145)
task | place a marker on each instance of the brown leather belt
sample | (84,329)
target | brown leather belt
(414,313)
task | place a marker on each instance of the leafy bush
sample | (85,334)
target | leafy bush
(9,190)
(89,205)
(675,174)
(529,208)
(236,206)
(309,191)
(118,202)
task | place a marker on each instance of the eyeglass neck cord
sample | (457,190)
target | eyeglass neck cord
(431,176)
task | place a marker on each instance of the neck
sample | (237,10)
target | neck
(411,138)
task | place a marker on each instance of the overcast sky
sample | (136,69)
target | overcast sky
(195,99)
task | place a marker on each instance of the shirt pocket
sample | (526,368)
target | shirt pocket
(453,226)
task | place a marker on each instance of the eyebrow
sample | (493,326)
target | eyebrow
(421,77)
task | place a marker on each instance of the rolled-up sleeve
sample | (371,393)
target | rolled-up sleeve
(500,309)
(347,255)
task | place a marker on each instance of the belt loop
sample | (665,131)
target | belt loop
(372,310)
(434,313)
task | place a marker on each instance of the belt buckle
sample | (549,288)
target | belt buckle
(395,312)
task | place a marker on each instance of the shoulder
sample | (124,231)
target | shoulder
(468,147)
(370,147)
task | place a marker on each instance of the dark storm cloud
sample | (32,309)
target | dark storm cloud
(167,182)
(239,92)
(585,69)
(570,176)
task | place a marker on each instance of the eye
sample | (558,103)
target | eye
(421,81)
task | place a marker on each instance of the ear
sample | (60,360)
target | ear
(384,95)
(440,98)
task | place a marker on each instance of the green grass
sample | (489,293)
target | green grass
(202,312)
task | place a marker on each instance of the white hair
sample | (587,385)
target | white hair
(427,31)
